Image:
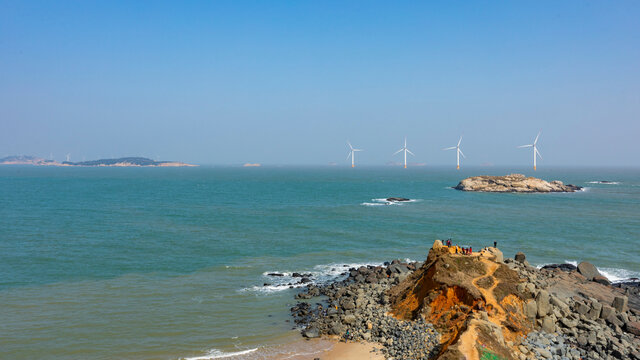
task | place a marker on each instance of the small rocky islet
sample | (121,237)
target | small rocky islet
(455,306)
(513,183)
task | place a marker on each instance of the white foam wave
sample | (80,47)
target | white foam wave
(384,201)
(618,275)
(604,182)
(217,354)
(373,204)
(613,274)
(320,274)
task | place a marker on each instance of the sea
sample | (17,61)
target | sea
(173,263)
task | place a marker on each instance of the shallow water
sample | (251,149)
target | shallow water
(155,263)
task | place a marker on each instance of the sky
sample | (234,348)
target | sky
(289,82)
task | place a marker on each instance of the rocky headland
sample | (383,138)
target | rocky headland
(477,306)
(513,183)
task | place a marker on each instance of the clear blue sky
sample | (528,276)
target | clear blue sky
(223,82)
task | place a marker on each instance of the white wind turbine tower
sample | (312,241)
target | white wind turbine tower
(458,152)
(352,154)
(535,150)
(68,157)
(405,152)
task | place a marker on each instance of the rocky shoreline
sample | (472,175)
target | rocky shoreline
(513,183)
(454,306)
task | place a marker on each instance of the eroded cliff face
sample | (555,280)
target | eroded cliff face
(513,183)
(472,300)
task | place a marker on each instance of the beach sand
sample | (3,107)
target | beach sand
(333,350)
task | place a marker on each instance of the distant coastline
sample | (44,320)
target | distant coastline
(117,162)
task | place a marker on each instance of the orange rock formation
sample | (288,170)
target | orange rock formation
(471,299)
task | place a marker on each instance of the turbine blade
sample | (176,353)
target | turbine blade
(459,141)
(397,151)
(357,149)
(449,148)
(537,136)
(409,151)
(461,153)
(525,146)
(350,145)
(348,156)
(538,152)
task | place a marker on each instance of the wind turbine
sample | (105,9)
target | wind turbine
(458,152)
(405,152)
(535,150)
(352,154)
(68,156)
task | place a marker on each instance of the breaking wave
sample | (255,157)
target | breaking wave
(613,274)
(320,274)
(604,182)
(217,354)
(384,201)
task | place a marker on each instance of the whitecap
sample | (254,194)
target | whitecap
(618,275)
(384,201)
(217,354)
(604,182)
(320,275)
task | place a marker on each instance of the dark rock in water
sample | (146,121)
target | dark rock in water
(520,257)
(311,333)
(295,274)
(305,280)
(588,270)
(601,280)
(397,199)
(563,267)
(266,284)
(274,274)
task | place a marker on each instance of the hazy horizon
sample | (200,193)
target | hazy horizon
(221,83)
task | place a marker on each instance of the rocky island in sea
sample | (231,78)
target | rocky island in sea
(119,162)
(476,306)
(513,183)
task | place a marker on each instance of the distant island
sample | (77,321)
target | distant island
(513,183)
(119,162)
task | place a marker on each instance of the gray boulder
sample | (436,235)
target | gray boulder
(542,302)
(601,280)
(588,270)
(620,303)
(548,325)
(311,333)
(606,312)
(520,257)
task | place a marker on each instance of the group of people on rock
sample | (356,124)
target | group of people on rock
(460,250)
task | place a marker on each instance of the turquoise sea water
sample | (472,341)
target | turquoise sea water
(166,263)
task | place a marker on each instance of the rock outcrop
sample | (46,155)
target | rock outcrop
(513,183)
(478,306)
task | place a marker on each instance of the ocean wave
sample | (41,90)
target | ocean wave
(320,275)
(383,202)
(613,274)
(604,182)
(217,354)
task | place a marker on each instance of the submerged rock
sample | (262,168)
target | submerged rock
(394,199)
